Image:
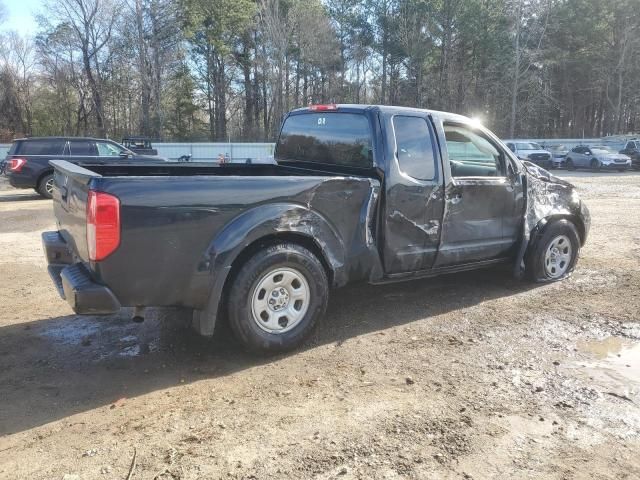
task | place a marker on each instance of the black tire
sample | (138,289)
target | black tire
(241,317)
(535,258)
(569,164)
(595,165)
(44,186)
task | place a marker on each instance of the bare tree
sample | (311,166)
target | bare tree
(92,22)
(19,61)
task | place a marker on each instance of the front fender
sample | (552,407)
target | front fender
(548,198)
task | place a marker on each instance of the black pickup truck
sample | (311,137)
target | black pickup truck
(359,193)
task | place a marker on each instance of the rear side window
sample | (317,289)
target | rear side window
(40,147)
(330,138)
(82,147)
(414,147)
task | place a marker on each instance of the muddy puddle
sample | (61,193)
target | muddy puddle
(615,366)
(104,339)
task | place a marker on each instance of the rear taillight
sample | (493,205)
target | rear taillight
(15,164)
(103,225)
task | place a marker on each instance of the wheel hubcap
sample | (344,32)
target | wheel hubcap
(49,186)
(557,256)
(280,300)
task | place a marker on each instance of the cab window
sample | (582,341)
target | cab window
(330,138)
(471,153)
(414,147)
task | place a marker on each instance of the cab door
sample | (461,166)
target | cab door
(483,201)
(413,201)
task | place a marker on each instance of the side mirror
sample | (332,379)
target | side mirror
(512,172)
(124,155)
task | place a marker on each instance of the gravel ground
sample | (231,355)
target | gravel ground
(464,376)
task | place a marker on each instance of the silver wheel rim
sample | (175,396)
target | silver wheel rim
(280,300)
(49,186)
(557,257)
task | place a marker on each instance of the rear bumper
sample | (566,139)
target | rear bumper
(20,181)
(73,280)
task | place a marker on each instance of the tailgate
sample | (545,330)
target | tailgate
(70,191)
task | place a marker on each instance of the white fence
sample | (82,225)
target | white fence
(202,152)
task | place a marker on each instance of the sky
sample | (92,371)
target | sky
(20,15)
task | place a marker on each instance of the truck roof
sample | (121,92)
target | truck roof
(392,109)
(60,137)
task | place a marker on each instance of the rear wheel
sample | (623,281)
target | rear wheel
(569,164)
(45,187)
(555,254)
(277,298)
(595,165)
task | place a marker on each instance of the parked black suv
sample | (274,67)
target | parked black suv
(632,149)
(27,163)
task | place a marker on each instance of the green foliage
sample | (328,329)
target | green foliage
(229,69)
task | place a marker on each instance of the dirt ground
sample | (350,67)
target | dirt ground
(464,376)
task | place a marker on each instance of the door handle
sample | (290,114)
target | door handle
(455,197)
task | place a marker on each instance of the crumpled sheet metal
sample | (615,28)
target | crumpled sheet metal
(546,196)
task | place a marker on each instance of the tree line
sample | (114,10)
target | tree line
(224,70)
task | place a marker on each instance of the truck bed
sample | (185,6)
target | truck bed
(180,223)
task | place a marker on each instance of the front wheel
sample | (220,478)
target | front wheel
(45,187)
(555,254)
(569,164)
(277,298)
(595,165)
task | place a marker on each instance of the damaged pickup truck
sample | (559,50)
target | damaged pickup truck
(359,193)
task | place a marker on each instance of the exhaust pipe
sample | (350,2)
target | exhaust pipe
(138,314)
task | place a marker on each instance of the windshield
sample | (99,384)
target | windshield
(529,146)
(600,150)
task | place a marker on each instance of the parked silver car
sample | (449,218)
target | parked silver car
(597,157)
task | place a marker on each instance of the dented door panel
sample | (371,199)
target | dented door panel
(473,223)
(412,209)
